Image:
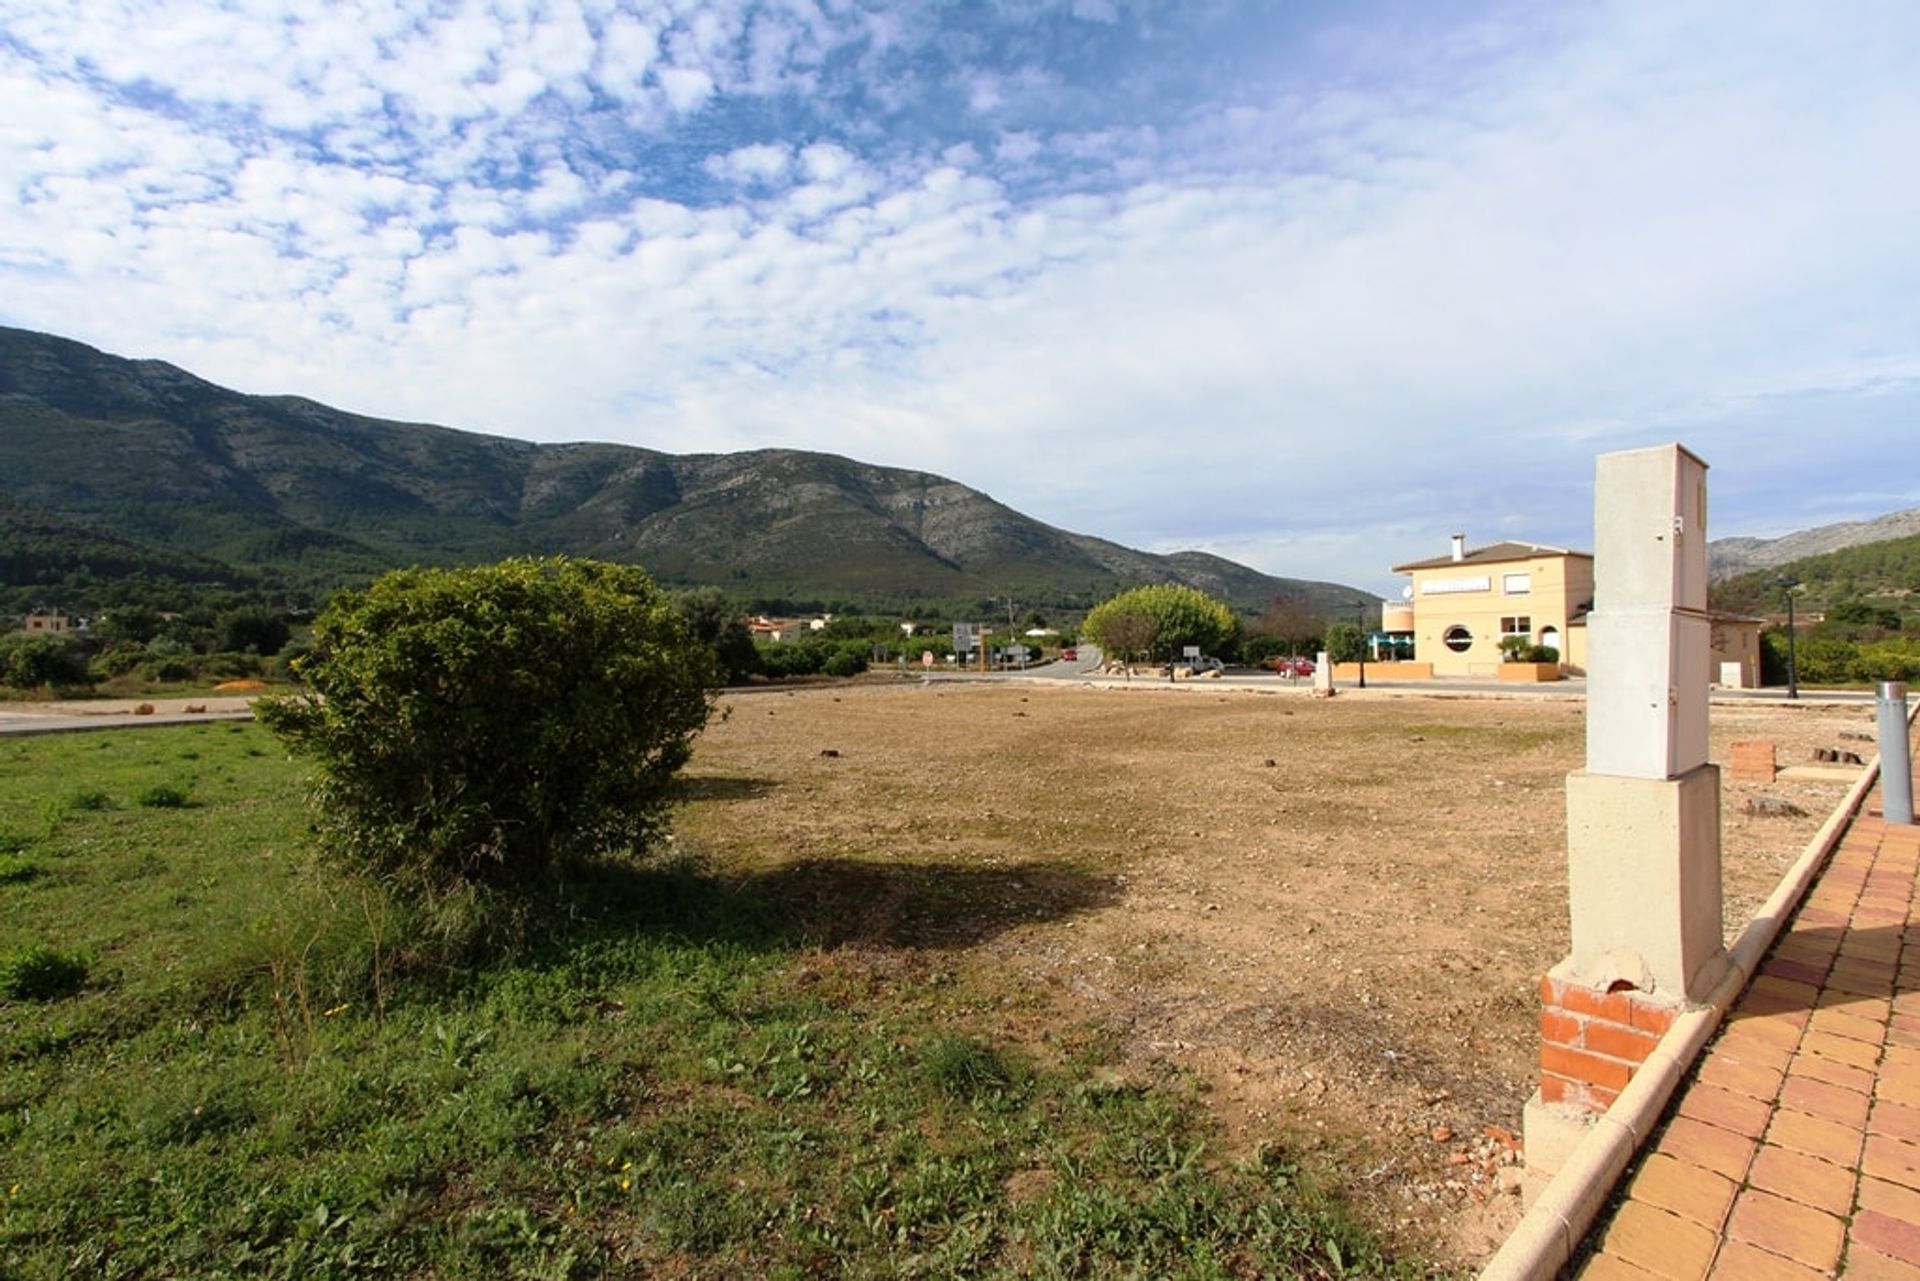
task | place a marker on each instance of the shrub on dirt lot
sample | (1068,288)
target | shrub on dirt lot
(495,724)
(1179,616)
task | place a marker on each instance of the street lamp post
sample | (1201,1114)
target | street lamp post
(1786,585)
(1360,608)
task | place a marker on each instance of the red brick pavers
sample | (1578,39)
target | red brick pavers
(1794,1148)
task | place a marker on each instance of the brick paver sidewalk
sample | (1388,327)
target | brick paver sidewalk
(1794,1149)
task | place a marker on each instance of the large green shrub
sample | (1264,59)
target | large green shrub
(1345,642)
(1887,661)
(717,622)
(846,661)
(1161,621)
(33,662)
(496,724)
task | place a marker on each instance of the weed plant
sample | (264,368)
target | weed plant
(161,796)
(39,973)
(277,1073)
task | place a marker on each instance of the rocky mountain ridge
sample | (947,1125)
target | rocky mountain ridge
(1727,557)
(152,455)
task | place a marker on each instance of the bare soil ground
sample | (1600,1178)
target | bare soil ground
(1333,914)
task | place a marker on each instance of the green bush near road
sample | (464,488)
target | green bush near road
(1160,621)
(495,725)
(42,662)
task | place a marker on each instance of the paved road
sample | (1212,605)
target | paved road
(1258,679)
(83,715)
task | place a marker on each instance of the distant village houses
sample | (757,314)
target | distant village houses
(51,622)
(763,628)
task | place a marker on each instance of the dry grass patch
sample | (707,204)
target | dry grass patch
(1333,913)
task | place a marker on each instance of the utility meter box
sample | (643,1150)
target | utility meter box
(1648,636)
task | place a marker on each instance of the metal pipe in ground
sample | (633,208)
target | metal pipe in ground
(1896,765)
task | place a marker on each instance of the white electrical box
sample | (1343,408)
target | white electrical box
(1648,638)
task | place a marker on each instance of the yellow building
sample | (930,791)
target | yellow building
(1467,602)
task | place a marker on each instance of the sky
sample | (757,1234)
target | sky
(1310,285)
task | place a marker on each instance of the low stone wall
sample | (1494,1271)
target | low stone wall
(1384,671)
(1529,673)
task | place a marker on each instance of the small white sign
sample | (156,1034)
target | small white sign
(1190,651)
(1447,586)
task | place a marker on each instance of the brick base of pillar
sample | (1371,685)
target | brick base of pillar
(1591,1041)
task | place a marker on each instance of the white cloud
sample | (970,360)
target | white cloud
(760,163)
(686,87)
(1309,318)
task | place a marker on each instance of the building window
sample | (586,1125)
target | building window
(1458,638)
(1516,625)
(1516,584)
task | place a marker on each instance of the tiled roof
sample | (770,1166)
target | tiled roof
(1493,553)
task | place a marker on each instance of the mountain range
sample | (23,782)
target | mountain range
(137,466)
(1727,557)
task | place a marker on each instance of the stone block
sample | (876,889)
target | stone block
(1643,865)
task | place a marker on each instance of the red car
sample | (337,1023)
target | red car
(1069,655)
(1293,666)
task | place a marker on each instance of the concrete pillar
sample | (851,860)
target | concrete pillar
(1643,817)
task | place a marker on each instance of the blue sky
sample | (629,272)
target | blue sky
(1310,285)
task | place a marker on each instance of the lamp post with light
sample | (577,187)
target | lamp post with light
(1360,616)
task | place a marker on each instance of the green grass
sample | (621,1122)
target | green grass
(267,1071)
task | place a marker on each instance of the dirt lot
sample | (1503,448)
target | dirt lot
(1332,913)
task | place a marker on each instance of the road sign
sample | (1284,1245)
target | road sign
(963,638)
(1190,651)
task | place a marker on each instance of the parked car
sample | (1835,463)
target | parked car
(1293,666)
(1070,655)
(1205,664)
